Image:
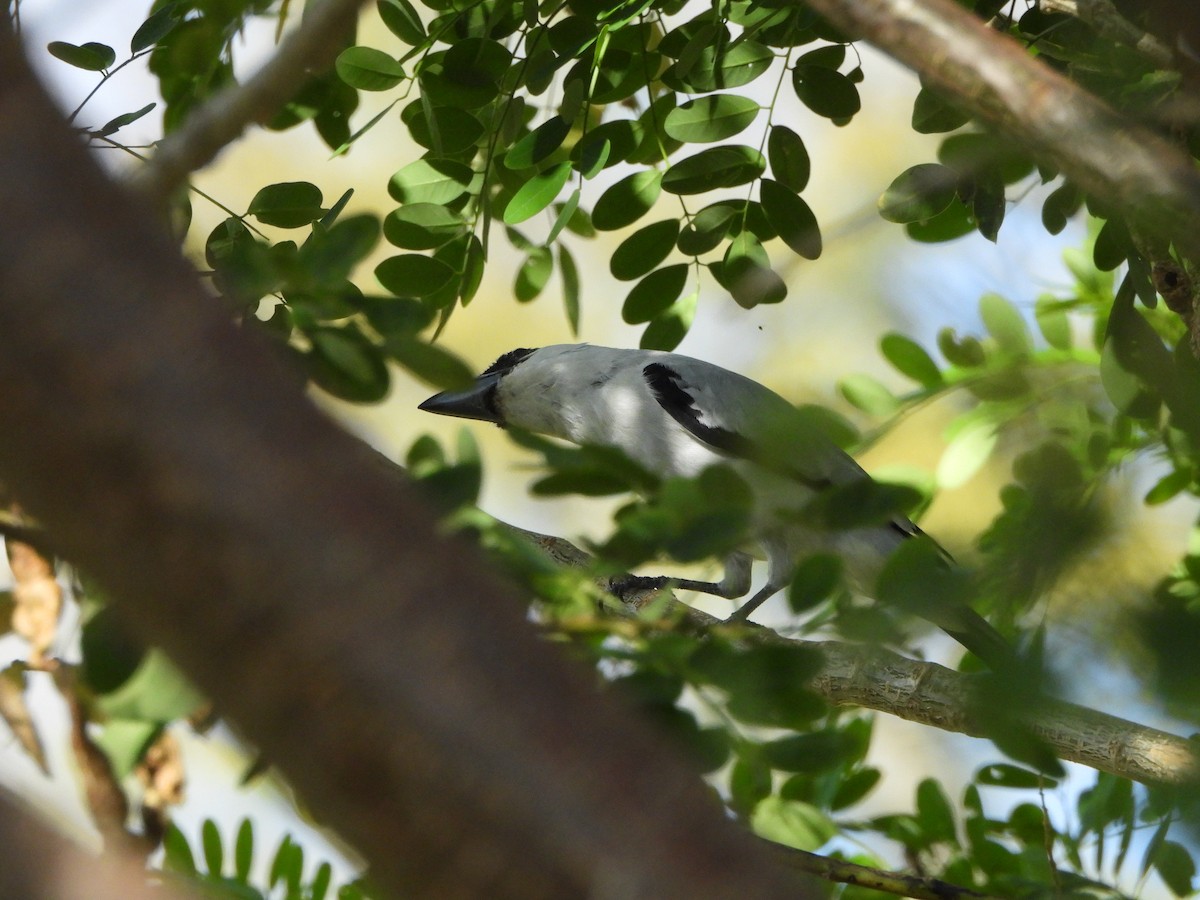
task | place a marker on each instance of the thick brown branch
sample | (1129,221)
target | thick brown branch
(1150,182)
(308,50)
(386,671)
(41,865)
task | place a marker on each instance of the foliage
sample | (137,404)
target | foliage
(228,870)
(547,123)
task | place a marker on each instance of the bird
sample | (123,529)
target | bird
(675,416)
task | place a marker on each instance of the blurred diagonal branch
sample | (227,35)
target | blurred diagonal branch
(168,453)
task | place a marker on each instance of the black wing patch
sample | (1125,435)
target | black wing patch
(665,383)
(668,389)
(508,360)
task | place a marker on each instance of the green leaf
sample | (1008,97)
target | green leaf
(817,751)
(431,180)
(815,580)
(747,274)
(124,742)
(1010,776)
(654,294)
(538,145)
(115,124)
(537,193)
(933,115)
(1060,206)
(644,250)
(792,823)
(1053,323)
(570,280)
(210,839)
(402,20)
(790,216)
(290,204)
(627,200)
(396,315)
(414,275)
(91,56)
(712,118)
(1113,245)
(368,69)
(156,692)
(716,167)
(243,853)
(826,92)
(749,783)
(1175,866)
(347,365)
(966,453)
(422,226)
(469,74)
(1006,324)
(156,27)
(952,222)
(431,363)
(667,329)
(443,129)
(966,352)
(789,158)
(911,359)
(722,65)
(566,212)
(707,229)
(869,394)
(533,274)
(919,193)
(854,788)
(934,813)
(177,854)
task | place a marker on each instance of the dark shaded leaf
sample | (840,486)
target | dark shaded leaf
(716,167)
(644,250)
(919,193)
(291,204)
(791,217)
(627,200)
(788,157)
(654,294)
(91,56)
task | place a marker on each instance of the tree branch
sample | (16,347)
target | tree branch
(384,668)
(1149,182)
(930,694)
(308,50)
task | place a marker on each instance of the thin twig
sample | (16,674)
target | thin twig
(309,49)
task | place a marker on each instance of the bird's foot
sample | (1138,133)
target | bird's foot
(627,586)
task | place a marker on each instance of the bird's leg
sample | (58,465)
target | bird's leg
(734,583)
(766,592)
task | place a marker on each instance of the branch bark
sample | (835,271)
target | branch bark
(930,694)
(1152,184)
(308,50)
(385,670)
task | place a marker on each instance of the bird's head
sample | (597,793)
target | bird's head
(534,390)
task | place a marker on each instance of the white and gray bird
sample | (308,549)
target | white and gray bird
(675,416)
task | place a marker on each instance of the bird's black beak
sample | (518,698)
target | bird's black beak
(476,402)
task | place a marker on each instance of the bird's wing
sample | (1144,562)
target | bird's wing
(743,419)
